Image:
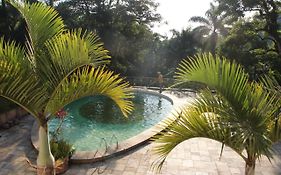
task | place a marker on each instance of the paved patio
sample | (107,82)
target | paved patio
(196,157)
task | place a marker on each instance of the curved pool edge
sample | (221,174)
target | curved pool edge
(124,146)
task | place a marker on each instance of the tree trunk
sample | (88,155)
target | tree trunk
(213,42)
(45,159)
(250,168)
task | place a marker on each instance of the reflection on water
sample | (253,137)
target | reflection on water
(92,119)
(102,109)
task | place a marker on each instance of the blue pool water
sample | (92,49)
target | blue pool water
(93,119)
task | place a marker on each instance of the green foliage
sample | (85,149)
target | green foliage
(61,149)
(267,12)
(124,26)
(181,45)
(241,113)
(11,23)
(212,27)
(250,49)
(58,63)
(55,67)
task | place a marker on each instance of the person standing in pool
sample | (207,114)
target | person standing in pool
(160,81)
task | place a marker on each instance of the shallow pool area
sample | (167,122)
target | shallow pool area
(94,122)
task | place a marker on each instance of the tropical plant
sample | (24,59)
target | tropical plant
(267,12)
(123,25)
(211,27)
(61,149)
(55,67)
(240,114)
(257,34)
(246,46)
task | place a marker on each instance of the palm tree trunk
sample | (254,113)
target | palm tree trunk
(250,168)
(213,42)
(45,159)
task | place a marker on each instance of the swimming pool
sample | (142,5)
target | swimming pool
(94,121)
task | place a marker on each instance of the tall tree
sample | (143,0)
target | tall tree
(56,67)
(181,45)
(123,25)
(241,114)
(211,27)
(267,11)
(248,48)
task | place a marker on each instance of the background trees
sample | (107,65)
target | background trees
(246,46)
(123,25)
(254,41)
(211,28)
(268,12)
(247,31)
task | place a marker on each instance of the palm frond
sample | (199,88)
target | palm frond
(18,82)
(21,88)
(228,79)
(43,22)
(200,19)
(239,114)
(195,120)
(271,85)
(211,116)
(68,52)
(78,46)
(14,53)
(231,82)
(90,81)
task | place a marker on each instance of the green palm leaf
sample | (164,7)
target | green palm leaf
(68,52)
(42,21)
(223,74)
(21,88)
(89,81)
(200,19)
(56,67)
(17,80)
(15,54)
(239,114)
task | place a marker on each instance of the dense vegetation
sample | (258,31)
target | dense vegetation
(125,26)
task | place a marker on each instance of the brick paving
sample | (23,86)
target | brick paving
(193,157)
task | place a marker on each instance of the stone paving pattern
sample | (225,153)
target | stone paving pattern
(193,157)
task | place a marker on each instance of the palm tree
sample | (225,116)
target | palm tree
(55,67)
(211,27)
(239,115)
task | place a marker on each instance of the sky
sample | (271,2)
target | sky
(177,14)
